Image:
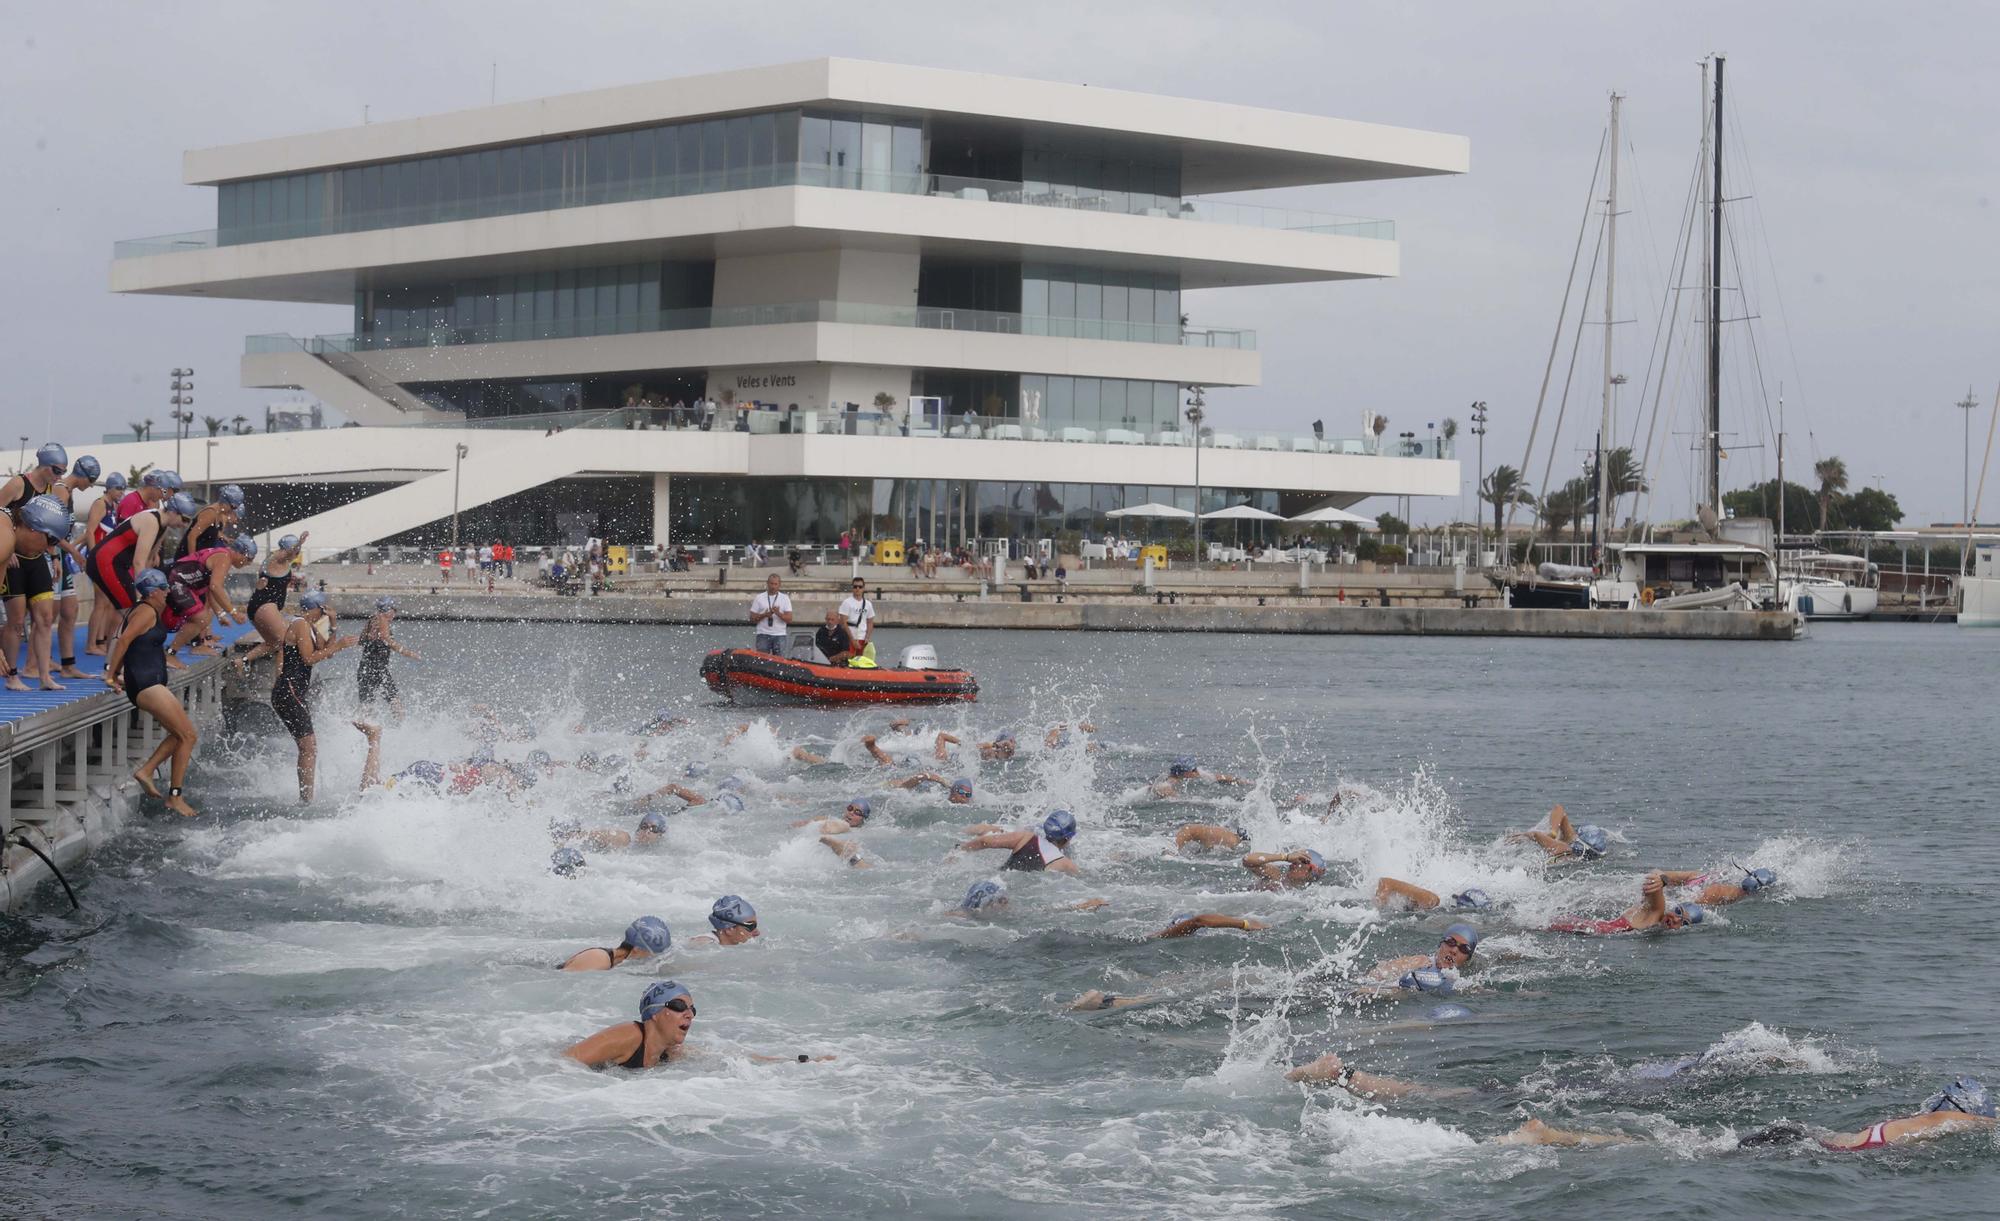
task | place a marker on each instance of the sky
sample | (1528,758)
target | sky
(1869,249)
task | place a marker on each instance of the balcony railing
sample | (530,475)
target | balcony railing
(943,186)
(854,313)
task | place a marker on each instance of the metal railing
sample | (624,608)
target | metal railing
(982,190)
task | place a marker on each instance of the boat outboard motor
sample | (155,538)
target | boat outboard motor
(918,657)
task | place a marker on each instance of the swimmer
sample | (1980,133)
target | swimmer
(833,829)
(958,792)
(566,862)
(1189,925)
(1058,736)
(1285,870)
(137,666)
(1033,851)
(31,588)
(1330,1070)
(1722,893)
(988,900)
(734,922)
(725,798)
(1425,973)
(378,641)
(1566,842)
(1962,1105)
(1207,836)
(1651,911)
(102,515)
(1002,746)
(663,722)
(883,757)
(424,773)
(83,474)
(799,753)
(1183,771)
(666,1010)
(644,938)
(1408,896)
(274,583)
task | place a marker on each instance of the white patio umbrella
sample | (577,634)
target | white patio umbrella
(1150,510)
(1336,517)
(1241,513)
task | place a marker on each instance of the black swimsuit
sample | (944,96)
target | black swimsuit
(372,674)
(288,695)
(270,591)
(638,1058)
(604,950)
(145,660)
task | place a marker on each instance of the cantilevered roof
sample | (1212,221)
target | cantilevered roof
(1223,147)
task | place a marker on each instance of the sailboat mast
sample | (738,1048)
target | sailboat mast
(1715,305)
(1599,529)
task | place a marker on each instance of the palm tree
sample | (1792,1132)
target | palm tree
(138,428)
(1556,510)
(1502,488)
(242,423)
(1627,476)
(1832,476)
(214,423)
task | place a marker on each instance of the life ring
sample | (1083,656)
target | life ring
(1646,597)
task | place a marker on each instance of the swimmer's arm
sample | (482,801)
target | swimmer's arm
(938,750)
(1678,877)
(919,778)
(1088,905)
(1328,1070)
(608,1046)
(1549,843)
(1063,865)
(1257,860)
(1220,778)
(1653,897)
(1190,925)
(681,791)
(805,756)
(730,735)
(1010,840)
(1416,896)
(881,756)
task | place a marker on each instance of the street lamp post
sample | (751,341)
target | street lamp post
(1479,476)
(1194,417)
(1968,404)
(183,408)
(457,458)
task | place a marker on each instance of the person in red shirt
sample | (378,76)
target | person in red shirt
(444,564)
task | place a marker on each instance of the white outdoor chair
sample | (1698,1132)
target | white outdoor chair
(1006,432)
(1170,437)
(1077,434)
(1225,440)
(1267,443)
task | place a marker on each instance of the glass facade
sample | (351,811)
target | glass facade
(741,152)
(566,303)
(1100,403)
(1095,303)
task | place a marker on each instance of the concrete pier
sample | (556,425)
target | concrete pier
(66,786)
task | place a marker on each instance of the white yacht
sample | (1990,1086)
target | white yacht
(1830,586)
(1979,592)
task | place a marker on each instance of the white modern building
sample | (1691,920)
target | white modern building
(781,303)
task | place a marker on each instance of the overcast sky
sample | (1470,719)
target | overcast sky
(1872,262)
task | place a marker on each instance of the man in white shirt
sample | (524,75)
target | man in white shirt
(859,612)
(771,612)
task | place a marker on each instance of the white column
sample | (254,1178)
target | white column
(662,504)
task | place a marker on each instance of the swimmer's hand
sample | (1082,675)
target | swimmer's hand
(1090,905)
(1317,1072)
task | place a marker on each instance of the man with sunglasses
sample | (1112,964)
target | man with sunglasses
(859,613)
(1652,911)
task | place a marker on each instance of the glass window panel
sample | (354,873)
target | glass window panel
(687,158)
(1167,306)
(815,150)
(628,299)
(447,191)
(503,310)
(409,193)
(596,169)
(786,153)
(906,156)
(510,180)
(1167,404)
(618,165)
(555,160)
(844,154)
(663,161)
(1062,308)
(423,201)
(875,155)
(1061,407)
(529,182)
(607,299)
(566,301)
(1140,311)
(489,182)
(713,163)
(225,208)
(1088,394)
(736,151)
(586,300)
(1114,312)
(763,148)
(371,192)
(1090,311)
(649,297)
(545,298)
(1035,398)
(1111,404)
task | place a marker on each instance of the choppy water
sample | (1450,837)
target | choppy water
(349,1011)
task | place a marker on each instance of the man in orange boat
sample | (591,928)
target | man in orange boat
(835,642)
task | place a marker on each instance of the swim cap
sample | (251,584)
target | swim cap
(230,495)
(1965,1094)
(1237,830)
(730,802)
(1317,862)
(649,933)
(695,771)
(654,821)
(732,909)
(46,515)
(384,605)
(1590,841)
(1757,879)
(1465,933)
(244,546)
(1179,917)
(1471,897)
(861,805)
(148,580)
(1426,979)
(564,862)
(1002,736)
(54,455)
(540,758)
(1693,913)
(729,784)
(87,467)
(1182,766)
(116,482)
(165,480)
(523,774)
(658,995)
(961,787)
(314,600)
(1059,826)
(287,542)
(428,771)
(182,504)
(983,895)
(565,828)
(1447,1012)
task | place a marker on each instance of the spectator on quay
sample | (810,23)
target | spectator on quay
(444,564)
(771,614)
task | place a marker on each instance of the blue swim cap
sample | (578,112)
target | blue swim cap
(729,784)
(649,933)
(621,783)
(1426,979)
(1472,897)
(182,504)
(47,515)
(88,467)
(230,495)
(564,862)
(1317,861)
(244,546)
(730,802)
(694,771)
(1002,736)
(1059,826)
(1693,913)
(983,895)
(1757,879)
(614,761)
(288,542)
(54,455)
(861,806)
(1966,1094)
(1590,841)
(565,828)
(657,996)
(314,600)
(1179,917)
(148,580)
(961,787)
(165,480)
(1465,933)
(384,605)
(116,482)
(523,774)
(653,821)
(1447,1012)
(1182,766)
(540,758)
(425,771)
(732,909)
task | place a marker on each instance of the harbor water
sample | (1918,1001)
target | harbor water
(347,1010)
